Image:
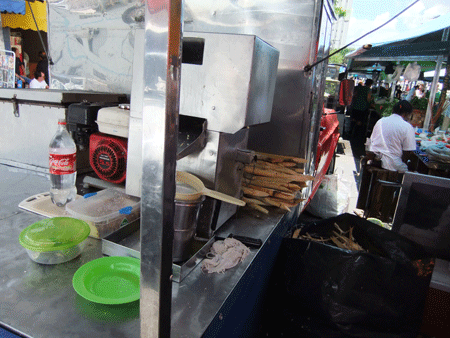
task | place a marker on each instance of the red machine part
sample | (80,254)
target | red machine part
(108,157)
(326,147)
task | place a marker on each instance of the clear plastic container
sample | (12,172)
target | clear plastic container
(54,240)
(105,211)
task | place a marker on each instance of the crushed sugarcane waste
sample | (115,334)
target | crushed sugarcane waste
(274,181)
(340,238)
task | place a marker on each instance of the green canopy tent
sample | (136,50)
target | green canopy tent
(428,45)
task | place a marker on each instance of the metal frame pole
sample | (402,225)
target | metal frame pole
(162,67)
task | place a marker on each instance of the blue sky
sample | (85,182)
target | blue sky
(369,14)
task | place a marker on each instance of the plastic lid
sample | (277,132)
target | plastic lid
(103,205)
(52,234)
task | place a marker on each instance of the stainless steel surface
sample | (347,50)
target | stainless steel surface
(91,43)
(234,84)
(318,75)
(86,31)
(217,166)
(162,66)
(39,301)
(25,138)
(184,226)
(134,155)
(126,242)
(293,29)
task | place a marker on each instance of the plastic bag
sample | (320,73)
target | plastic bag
(412,72)
(332,198)
(396,75)
(324,291)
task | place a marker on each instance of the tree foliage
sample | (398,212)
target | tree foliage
(338,10)
(339,57)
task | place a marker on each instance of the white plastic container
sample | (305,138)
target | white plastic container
(114,120)
(105,211)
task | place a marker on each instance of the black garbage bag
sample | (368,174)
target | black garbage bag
(325,291)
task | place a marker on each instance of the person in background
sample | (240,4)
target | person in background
(398,92)
(411,93)
(42,65)
(19,65)
(26,64)
(420,91)
(393,140)
(39,81)
(362,99)
(384,90)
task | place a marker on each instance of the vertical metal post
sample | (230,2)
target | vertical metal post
(429,113)
(162,66)
(433,89)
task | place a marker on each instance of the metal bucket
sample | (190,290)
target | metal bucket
(184,226)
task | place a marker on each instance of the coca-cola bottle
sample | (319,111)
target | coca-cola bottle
(63,166)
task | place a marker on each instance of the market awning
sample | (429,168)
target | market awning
(426,43)
(27,21)
(12,6)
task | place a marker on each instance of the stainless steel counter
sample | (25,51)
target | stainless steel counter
(39,301)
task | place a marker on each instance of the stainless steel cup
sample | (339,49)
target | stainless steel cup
(184,226)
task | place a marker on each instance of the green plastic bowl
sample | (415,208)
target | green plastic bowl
(54,240)
(109,280)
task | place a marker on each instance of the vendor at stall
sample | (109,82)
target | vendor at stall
(392,141)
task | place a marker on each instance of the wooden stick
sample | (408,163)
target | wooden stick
(295,187)
(269,191)
(276,203)
(273,156)
(277,167)
(273,173)
(284,196)
(253,192)
(259,208)
(287,164)
(266,184)
(294,203)
(256,178)
(253,201)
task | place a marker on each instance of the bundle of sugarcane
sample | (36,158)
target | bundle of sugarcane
(274,180)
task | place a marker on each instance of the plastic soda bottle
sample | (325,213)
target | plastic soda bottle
(63,164)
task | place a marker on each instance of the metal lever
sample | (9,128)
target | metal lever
(15,103)
(249,241)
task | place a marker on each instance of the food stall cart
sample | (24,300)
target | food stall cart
(106,51)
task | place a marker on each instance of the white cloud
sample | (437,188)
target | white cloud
(418,14)
(413,17)
(359,27)
(436,10)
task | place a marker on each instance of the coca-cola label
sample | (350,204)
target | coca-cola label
(63,164)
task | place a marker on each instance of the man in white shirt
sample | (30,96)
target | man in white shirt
(39,81)
(393,140)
